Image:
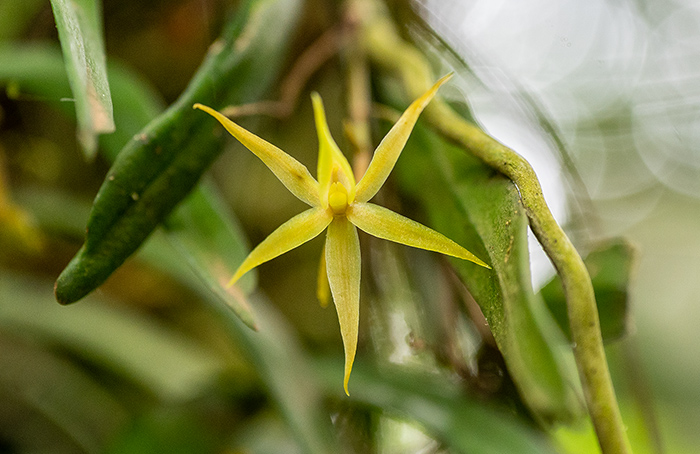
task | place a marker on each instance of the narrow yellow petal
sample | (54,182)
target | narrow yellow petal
(330,157)
(293,174)
(343,264)
(389,150)
(323,289)
(295,232)
(386,224)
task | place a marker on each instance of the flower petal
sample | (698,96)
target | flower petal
(329,156)
(386,224)
(295,232)
(293,174)
(343,264)
(323,289)
(388,151)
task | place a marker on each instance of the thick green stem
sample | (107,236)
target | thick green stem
(385,48)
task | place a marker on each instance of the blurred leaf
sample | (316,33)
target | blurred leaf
(287,373)
(38,69)
(265,434)
(273,350)
(465,425)
(18,229)
(168,364)
(172,430)
(161,165)
(35,68)
(610,266)
(48,405)
(79,24)
(15,16)
(200,230)
(55,212)
(210,244)
(481,210)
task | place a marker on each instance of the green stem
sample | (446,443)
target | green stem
(582,311)
(386,48)
(357,125)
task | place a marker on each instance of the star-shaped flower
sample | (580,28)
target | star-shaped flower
(342,206)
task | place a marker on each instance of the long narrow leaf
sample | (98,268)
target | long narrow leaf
(213,244)
(49,404)
(79,24)
(162,361)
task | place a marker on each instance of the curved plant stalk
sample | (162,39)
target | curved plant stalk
(387,49)
(317,54)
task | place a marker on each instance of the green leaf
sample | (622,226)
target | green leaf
(202,233)
(35,68)
(462,423)
(610,266)
(79,24)
(481,210)
(175,430)
(287,373)
(160,165)
(164,362)
(15,17)
(48,404)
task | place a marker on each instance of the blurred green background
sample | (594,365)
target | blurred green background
(140,366)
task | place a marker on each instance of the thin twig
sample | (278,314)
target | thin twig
(319,52)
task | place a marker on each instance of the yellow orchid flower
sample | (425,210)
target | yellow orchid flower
(341,205)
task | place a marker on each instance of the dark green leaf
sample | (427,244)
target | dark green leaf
(610,267)
(161,165)
(210,244)
(79,24)
(481,210)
